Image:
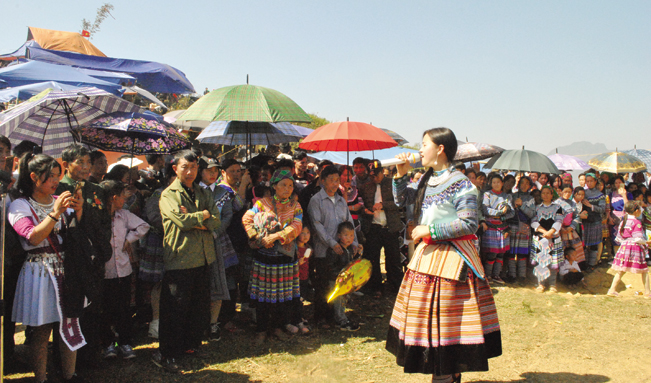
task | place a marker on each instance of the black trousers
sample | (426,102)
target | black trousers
(377,238)
(117,312)
(322,311)
(9,327)
(184,310)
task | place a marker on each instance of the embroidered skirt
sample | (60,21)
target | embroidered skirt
(151,261)
(495,241)
(441,326)
(630,258)
(274,279)
(571,239)
(520,238)
(592,233)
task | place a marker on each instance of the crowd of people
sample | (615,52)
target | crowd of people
(190,239)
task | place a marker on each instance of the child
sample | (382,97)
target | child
(304,251)
(570,272)
(345,236)
(572,222)
(632,250)
(496,207)
(126,229)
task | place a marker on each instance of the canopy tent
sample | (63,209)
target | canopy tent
(153,76)
(25,92)
(33,72)
(20,52)
(62,41)
(122,79)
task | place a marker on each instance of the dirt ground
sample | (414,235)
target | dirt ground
(579,336)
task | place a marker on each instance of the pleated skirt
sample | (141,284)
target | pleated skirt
(442,326)
(274,279)
(35,303)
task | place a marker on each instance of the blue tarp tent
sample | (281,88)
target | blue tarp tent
(25,92)
(154,77)
(384,154)
(34,71)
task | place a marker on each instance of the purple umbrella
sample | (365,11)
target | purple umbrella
(566,162)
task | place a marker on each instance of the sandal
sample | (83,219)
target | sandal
(303,328)
(552,289)
(613,294)
(540,289)
(280,334)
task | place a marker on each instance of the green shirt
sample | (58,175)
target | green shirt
(95,216)
(185,244)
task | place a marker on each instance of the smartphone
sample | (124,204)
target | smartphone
(78,187)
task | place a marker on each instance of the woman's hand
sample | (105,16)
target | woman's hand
(62,203)
(420,232)
(403,168)
(77,204)
(518,202)
(548,234)
(269,240)
(586,203)
(583,215)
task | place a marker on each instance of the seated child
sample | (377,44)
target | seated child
(337,262)
(570,272)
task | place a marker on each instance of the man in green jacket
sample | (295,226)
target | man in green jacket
(190,217)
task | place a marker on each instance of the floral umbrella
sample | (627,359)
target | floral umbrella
(617,162)
(133,133)
(475,151)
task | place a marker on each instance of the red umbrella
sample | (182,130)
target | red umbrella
(347,136)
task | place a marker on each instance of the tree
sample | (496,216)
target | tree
(102,12)
(316,122)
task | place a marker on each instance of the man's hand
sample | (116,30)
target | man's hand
(338,249)
(377,206)
(206,215)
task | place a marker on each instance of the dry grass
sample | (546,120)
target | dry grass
(547,338)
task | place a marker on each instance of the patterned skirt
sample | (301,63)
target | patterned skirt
(571,239)
(592,233)
(274,279)
(630,258)
(151,262)
(495,241)
(520,238)
(441,326)
(555,252)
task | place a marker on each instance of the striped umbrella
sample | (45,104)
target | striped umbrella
(253,133)
(49,118)
(475,151)
(617,162)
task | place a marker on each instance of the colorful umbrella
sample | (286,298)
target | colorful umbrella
(253,133)
(567,162)
(642,154)
(347,136)
(475,151)
(133,133)
(48,119)
(245,103)
(351,278)
(172,117)
(522,160)
(617,162)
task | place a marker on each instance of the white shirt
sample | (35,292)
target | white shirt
(379,216)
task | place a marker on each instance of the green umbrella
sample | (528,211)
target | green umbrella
(245,103)
(522,160)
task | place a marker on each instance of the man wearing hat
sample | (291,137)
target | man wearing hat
(380,209)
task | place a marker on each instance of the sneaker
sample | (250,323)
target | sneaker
(110,352)
(291,329)
(552,289)
(153,329)
(168,364)
(127,352)
(540,289)
(498,280)
(215,332)
(349,326)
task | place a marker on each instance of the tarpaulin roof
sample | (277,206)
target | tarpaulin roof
(63,41)
(153,76)
(20,52)
(35,71)
(25,92)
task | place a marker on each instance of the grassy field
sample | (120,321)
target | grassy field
(584,337)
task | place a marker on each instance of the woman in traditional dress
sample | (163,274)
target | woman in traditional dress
(495,206)
(595,201)
(520,231)
(572,223)
(631,255)
(272,225)
(444,321)
(546,244)
(618,198)
(37,215)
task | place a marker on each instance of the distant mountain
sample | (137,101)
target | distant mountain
(583,149)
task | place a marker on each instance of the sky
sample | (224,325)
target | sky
(537,74)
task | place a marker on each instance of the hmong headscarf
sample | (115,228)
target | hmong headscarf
(551,189)
(280,175)
(591,175)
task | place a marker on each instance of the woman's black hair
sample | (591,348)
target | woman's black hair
(524,178)
(39,164)
(491,177)
(439,136)
(117,173)
(112,188)
(630,207)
